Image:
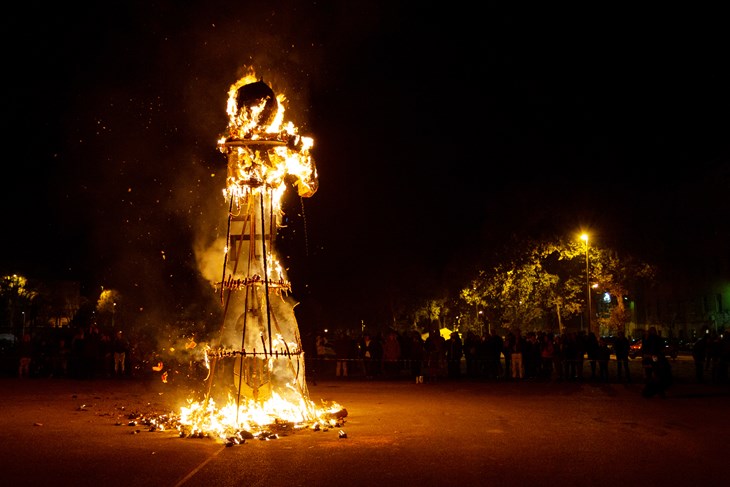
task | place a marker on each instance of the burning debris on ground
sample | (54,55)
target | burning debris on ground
(231,437)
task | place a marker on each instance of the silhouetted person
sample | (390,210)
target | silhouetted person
(471,353)
(494,347)
(76,355)
(391,354)
(547,355)
(25,356)
(660,378)
(59,358)
(343,353)
(699,356)
(120,347)
(592,351)
(651,346)
(603,354)
(558,356)
(435,348)
(580,353)
(517,346)
(621,348)
(507,352)
(454,352)
(570,356)
(415,355)
(370,355)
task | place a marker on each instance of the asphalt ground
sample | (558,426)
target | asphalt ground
(458,432)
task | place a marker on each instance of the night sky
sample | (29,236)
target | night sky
(440,133)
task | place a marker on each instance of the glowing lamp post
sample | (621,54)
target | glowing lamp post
(584,237)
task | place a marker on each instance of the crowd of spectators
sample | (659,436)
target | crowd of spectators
(534,355)
(80,353)
(90,353)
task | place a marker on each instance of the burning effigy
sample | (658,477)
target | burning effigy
(256,373)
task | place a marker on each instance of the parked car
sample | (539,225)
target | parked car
(671,350)
(635,349)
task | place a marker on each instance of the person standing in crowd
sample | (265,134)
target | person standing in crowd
(454,352)
(76,356)
(592,352)
(415,355)
(495,349)
(507,352)
(370,355)
(325,354)
(603,355)
(558,356)
(547,355)
(60,358)
(25,356)
(570,356)
(580,353)
(651,346)
(391,354)
(660,378)
(343,352)
(472,343)
(516,349)
(699,355)
(435,352)
(718,356)
(92,356)
(120,348)
(531,355)
(107,353)
(621,348)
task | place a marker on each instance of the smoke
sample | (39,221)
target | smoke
(137,179)
(210,259)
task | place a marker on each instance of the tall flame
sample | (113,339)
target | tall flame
(261,378)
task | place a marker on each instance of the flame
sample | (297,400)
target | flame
(264,152)
(255,417)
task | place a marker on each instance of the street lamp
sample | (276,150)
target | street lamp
(584,237)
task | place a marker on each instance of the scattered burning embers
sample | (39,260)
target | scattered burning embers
(233,436)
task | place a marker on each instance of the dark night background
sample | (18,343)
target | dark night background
(440,133)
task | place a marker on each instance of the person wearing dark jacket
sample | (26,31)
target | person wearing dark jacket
(699,355)
(454,352)
(25,356)
(120,348)
(621,349)
(661,377)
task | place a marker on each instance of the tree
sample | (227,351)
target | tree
(615,276)
(539,284)
(108,305)
(16,299)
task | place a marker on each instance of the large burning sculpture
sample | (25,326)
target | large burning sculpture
(257,369)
